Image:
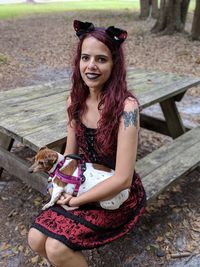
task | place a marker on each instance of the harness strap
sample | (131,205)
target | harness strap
(70,178)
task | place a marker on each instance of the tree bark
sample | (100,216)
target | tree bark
(148,8)
(30,1)
(154,6)
(172,16)
(196,22)
(144,9)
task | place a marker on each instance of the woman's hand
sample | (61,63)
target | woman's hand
(67,201)
(64,199)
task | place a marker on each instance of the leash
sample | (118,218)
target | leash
(77,180)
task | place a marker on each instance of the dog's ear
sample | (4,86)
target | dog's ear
(42,148)
(50,158)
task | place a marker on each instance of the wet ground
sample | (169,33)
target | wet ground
(189,108)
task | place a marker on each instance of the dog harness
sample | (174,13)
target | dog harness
(70,179)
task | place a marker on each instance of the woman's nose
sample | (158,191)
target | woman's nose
(92,64)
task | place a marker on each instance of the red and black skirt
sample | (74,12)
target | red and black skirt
(91,226)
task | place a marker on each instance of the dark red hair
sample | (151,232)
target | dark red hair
(113,93)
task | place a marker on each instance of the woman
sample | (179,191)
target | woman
(103,125)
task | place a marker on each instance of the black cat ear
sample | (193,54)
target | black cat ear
(118,35)
(82,28)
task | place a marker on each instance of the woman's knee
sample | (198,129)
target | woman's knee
(57,252)
(36,241)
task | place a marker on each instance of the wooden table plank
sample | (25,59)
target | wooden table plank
(32,108)
(149,98)
(28,114)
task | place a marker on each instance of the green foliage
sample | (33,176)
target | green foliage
(13,10)
(3,59)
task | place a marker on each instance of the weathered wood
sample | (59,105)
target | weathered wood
(23,94)
(36,115)
(156,124)
(37,107)
(6,142)
(19,168)
(165,92)
(173,119)
(162,155)
(158,180)
(153,124)
(170,162)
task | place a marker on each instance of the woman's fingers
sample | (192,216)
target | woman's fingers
(64,199)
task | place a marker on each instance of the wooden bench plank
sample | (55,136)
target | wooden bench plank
(158,180)
(162,155)
(170,162)
(19,168)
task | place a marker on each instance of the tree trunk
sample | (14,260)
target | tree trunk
(144,9)
(172,16)
(196,22)
(184,10)
(148,8)
(30,1)
(154,6)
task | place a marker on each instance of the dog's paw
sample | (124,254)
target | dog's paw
(48,205)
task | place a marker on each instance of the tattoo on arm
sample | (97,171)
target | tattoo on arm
(130,118)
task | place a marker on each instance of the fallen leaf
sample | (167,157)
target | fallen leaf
(4,246)
(35,259)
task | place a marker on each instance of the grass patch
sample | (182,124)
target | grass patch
(14,10)
(3,59)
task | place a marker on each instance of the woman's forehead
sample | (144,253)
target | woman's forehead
(93,46)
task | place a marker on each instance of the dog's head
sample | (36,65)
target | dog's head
(44,160)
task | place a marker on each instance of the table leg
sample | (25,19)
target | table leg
(173,119)
(5,142)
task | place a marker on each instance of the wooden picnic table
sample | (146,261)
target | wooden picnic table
(36,115)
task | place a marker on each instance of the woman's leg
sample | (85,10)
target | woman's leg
(61,256)
(36,241)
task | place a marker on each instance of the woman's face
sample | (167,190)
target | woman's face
(95,64)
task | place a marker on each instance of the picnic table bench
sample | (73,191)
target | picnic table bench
(36,116)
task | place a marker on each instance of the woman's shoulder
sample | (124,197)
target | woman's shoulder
(130,104)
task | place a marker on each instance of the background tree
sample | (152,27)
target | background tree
(196,22)
(172,16)
(148,8)
(30,1)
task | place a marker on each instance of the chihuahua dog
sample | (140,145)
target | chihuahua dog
(47,160)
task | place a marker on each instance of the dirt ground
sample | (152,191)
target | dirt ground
(38,49)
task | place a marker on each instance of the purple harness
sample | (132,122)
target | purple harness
(69,179)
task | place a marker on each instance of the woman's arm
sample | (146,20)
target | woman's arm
(125,161)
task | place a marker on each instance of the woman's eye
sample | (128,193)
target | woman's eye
(102,60)
(84,58)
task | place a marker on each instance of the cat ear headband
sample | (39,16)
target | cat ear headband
(118,35)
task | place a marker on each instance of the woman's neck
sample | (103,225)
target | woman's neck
(94,95)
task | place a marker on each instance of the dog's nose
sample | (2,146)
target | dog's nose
(30,170)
